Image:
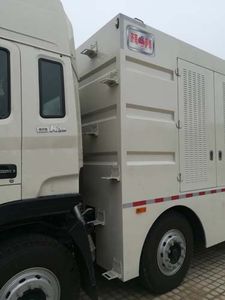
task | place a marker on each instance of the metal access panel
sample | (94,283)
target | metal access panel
(197,132)
(220,127)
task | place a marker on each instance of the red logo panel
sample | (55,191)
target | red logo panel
(140,41)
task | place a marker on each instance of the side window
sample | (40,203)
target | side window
(52,95)
(4,83)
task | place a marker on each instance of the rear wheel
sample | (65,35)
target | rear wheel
(167,253)
(37,268)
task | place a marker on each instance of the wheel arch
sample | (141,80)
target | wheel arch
(193,220)
(195,223)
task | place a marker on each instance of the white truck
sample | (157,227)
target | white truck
(153,122)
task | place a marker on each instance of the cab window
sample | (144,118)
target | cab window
(52,95)
(4,83)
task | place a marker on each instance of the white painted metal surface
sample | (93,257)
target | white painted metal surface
(157,127)
(51,158)
(220,126)
(197,137)
(48,163)
(10,129)
(41,23)
(154,130)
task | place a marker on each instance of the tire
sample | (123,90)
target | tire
(167,253)
(48,265)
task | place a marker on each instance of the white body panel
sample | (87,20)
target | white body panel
(220,123)
(42,24)
(155,132)
(51,158)
(47,163)
(10,129)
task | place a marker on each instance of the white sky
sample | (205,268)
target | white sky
(198,22)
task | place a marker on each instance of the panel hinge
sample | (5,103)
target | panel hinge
(179,178)
(177,72)
(92,51)
(90,129)
(179,124)
(114,174)
(111,79)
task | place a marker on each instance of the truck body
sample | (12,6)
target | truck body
(153,136)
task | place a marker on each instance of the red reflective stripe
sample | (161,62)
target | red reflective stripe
(201,193)
(176,197)
(139,203)
(189,195)
(159,200)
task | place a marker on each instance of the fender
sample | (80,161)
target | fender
(17,213)
(22,210)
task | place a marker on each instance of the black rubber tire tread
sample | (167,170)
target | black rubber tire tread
(28,251)
(150,274)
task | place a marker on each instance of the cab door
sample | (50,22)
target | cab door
(10,122)
(50,127)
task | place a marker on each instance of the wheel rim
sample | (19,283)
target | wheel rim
(32,284)
(171,252)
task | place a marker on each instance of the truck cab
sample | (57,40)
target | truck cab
(43,237)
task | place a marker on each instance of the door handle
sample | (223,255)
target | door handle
(211,155)
(220,155)
(8,171)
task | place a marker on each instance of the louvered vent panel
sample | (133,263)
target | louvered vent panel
(195,134)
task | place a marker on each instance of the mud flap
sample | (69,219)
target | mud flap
(79,234)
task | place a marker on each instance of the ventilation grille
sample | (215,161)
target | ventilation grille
(195,132)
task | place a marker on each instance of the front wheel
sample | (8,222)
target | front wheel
(167,253)
(39,268)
